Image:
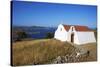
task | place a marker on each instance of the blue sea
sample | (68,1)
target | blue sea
(40,33)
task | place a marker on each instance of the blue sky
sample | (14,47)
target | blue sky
(47,14)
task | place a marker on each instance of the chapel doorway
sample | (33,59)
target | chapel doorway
(72,37)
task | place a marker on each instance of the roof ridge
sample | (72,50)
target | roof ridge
(77,27)
(74,25)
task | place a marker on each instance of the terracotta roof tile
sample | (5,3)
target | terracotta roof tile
(77,28)
(67,27)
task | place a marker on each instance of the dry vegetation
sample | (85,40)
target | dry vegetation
(43,51)
(92,47)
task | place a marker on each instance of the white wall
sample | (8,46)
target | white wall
(76,40)
(70,32)
(86,37)
(79,37)
(60,34)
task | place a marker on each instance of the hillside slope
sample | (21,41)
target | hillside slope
(44,51)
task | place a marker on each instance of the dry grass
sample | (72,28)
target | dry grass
(43,51)
(92,47)
(39,51)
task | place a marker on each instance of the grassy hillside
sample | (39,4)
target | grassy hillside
(43,51)
(92,47)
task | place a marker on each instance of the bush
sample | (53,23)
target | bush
(21,35)
(49,35)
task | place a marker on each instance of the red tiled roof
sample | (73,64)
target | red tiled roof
(67,27)
(77,28)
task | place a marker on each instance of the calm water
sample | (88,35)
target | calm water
(40,33)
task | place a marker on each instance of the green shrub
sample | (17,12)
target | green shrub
(21,35)
(49,35)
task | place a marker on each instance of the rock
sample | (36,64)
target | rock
(66,58)
(58,59)
(61,59)
(73,57)
(77,54)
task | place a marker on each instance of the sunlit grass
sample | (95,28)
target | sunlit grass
(43,51)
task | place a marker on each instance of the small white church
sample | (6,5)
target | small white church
(75,34)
